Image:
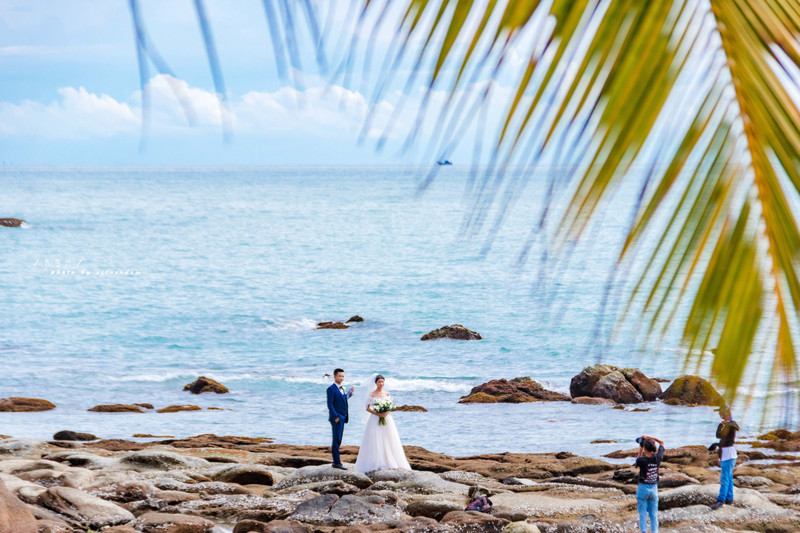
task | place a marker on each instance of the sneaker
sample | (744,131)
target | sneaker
(728,502)
(718,504)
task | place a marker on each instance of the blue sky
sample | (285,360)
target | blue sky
(71,94)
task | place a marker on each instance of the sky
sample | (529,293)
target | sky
(70,91)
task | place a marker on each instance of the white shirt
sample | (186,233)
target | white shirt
(728,453)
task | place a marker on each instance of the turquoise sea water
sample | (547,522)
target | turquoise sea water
(128,283)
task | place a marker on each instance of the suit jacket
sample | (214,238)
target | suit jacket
(337,403)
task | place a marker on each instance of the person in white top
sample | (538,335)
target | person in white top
(726,433)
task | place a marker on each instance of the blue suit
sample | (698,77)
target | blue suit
(337,408)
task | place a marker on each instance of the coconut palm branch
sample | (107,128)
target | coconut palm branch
(685,100)
(693,104)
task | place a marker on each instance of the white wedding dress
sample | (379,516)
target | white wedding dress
(380,446)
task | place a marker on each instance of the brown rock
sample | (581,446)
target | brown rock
(177,408)
(479,397)
(116,408)
(473,521)
(276,526)
(776,434)
(144,405)
(435,509)
(71,435)
(204,384)
(18,405)
(15,517)
(583,383)
(172,523)
(55,526)
(331,325)
(354,318)
(456,331)
(517,390)
(11,222)
(149,436)
(692,390)
(411,408)
(120,529)
(615,387)
(647,387)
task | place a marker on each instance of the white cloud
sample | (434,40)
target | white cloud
(79,114)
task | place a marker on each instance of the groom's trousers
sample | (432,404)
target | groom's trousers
(338,431)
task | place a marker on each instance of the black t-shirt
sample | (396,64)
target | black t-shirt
(648,467)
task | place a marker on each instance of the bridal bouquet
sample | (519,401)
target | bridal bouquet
(382,406)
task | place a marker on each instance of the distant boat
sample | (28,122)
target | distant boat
(444,163)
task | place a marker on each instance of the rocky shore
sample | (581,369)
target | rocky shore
(211,484)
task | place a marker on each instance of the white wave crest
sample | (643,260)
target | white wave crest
(392,384)
(160,378)
(290,324)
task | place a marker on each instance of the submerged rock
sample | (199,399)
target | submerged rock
(518,390)
(456,331)
(692,390)
(331,325)
(178,408)
(411,409)
(116,408)
(203,384)
(354,318)
(18,405)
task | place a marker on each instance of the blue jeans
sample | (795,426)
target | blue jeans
(726,480)
(647,504)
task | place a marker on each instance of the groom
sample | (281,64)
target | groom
(337,413)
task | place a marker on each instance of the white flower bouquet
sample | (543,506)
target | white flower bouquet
(383,406)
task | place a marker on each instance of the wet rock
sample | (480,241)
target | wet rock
(203,384)
(588,400)
(312,474)
(72,435)
(116,408)
(83,507)
(11,222)
(583,383)
(473,521)
(15,517)
(692,390)
(144,405)
(456,331)
(19,405)
(331,325)
(276,526)
(777,434)
(354,318)
(161,460)
(154,522)
(244,474)
(178,408)
(517,390)
(411,409)
(435,509)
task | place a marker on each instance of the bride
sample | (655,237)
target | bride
(380,446)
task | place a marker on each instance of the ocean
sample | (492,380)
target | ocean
(127,283)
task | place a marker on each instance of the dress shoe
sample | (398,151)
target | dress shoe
(339,466)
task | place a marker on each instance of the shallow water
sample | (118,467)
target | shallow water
(128,283)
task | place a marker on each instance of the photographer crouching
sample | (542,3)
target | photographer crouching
(648,460)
